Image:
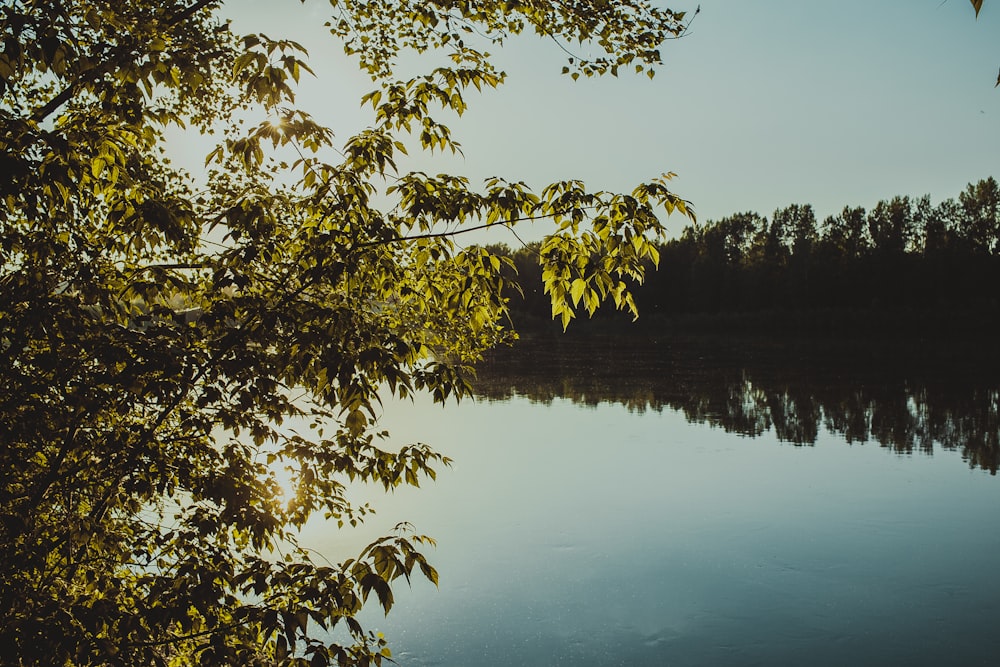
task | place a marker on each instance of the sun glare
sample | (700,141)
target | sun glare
(284,477)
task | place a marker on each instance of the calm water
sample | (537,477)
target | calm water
(617,502)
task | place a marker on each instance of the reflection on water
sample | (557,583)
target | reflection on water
(904,398)
(609,509)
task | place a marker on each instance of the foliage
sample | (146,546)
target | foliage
(166,348)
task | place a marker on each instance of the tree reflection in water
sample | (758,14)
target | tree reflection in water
(905,396)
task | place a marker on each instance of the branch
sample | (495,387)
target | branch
(93,73)
(194,635)
(175,266)
(465,230)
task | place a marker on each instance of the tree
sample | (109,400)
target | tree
(846,233)
(730,239)
(981,220)
(796,227)
(892,226)
(164,345)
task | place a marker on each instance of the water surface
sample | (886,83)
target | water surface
(618,503)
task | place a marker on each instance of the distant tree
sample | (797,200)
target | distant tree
(731,237)
(769,243)
(923,215)
(166,348)
(891,226)
(795,225)
(980,220)
(846,233)
(942,229)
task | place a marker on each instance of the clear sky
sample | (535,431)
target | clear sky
(763,104)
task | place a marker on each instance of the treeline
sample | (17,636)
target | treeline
(903,254)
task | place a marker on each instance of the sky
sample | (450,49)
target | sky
(764,103)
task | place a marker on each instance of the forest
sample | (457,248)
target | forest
(904,263)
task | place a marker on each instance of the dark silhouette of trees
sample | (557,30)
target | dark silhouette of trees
(980,216)
(903,263)
(845,235)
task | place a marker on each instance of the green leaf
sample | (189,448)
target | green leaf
(280,648)
(577,289)
(93,18)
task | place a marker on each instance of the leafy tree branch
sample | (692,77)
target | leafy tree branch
(167,348)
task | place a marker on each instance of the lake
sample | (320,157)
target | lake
(632,501)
